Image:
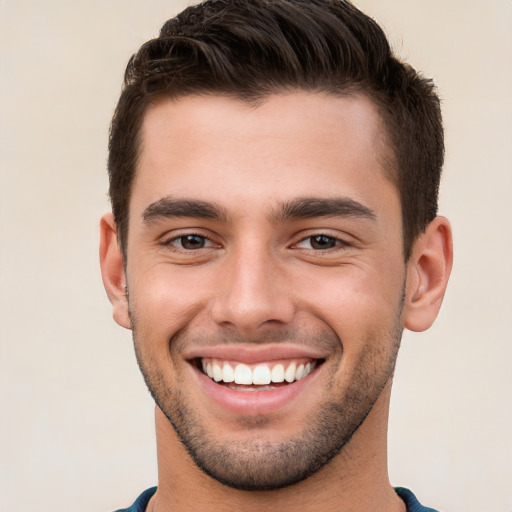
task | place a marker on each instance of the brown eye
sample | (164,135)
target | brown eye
(191,242)
(320,242)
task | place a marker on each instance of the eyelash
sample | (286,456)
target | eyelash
(170,241)
(208,243)
(338,243)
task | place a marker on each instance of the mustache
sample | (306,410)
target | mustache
(321,338)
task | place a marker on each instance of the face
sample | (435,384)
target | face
(266,278)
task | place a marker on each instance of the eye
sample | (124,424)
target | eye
(319,242)
(190,242)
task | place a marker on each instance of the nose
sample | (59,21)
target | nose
(253,291)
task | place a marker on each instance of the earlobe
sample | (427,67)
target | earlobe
(427,275)
(112,270)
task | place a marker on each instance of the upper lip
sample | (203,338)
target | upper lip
(250,354)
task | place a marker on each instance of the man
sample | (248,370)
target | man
(273,176)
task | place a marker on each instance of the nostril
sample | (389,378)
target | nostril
(252,299)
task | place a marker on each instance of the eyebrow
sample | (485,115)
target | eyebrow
(168,207)
(300,208)
(310,207)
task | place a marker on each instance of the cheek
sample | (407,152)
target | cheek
(357,303)
(165,299)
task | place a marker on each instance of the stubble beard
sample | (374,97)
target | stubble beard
(258,464)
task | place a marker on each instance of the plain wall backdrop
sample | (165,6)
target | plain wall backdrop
(76,428)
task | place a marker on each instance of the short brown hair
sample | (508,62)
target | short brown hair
(249,49)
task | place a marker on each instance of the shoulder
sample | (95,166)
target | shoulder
(141,502)
(411,502)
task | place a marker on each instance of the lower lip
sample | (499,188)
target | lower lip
(254,403)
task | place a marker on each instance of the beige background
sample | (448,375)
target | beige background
(76,431)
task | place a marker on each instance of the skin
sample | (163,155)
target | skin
(255,281)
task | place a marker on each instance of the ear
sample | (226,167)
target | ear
(428,271)
(112,270)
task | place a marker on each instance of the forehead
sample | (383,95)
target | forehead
(208,146)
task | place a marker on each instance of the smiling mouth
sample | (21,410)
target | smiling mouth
(257,377)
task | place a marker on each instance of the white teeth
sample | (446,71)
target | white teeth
(278,373)
(289,374)
(262,374)
(217,372)
(228,374)
(243,374)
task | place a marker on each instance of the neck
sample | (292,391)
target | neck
(356,480)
